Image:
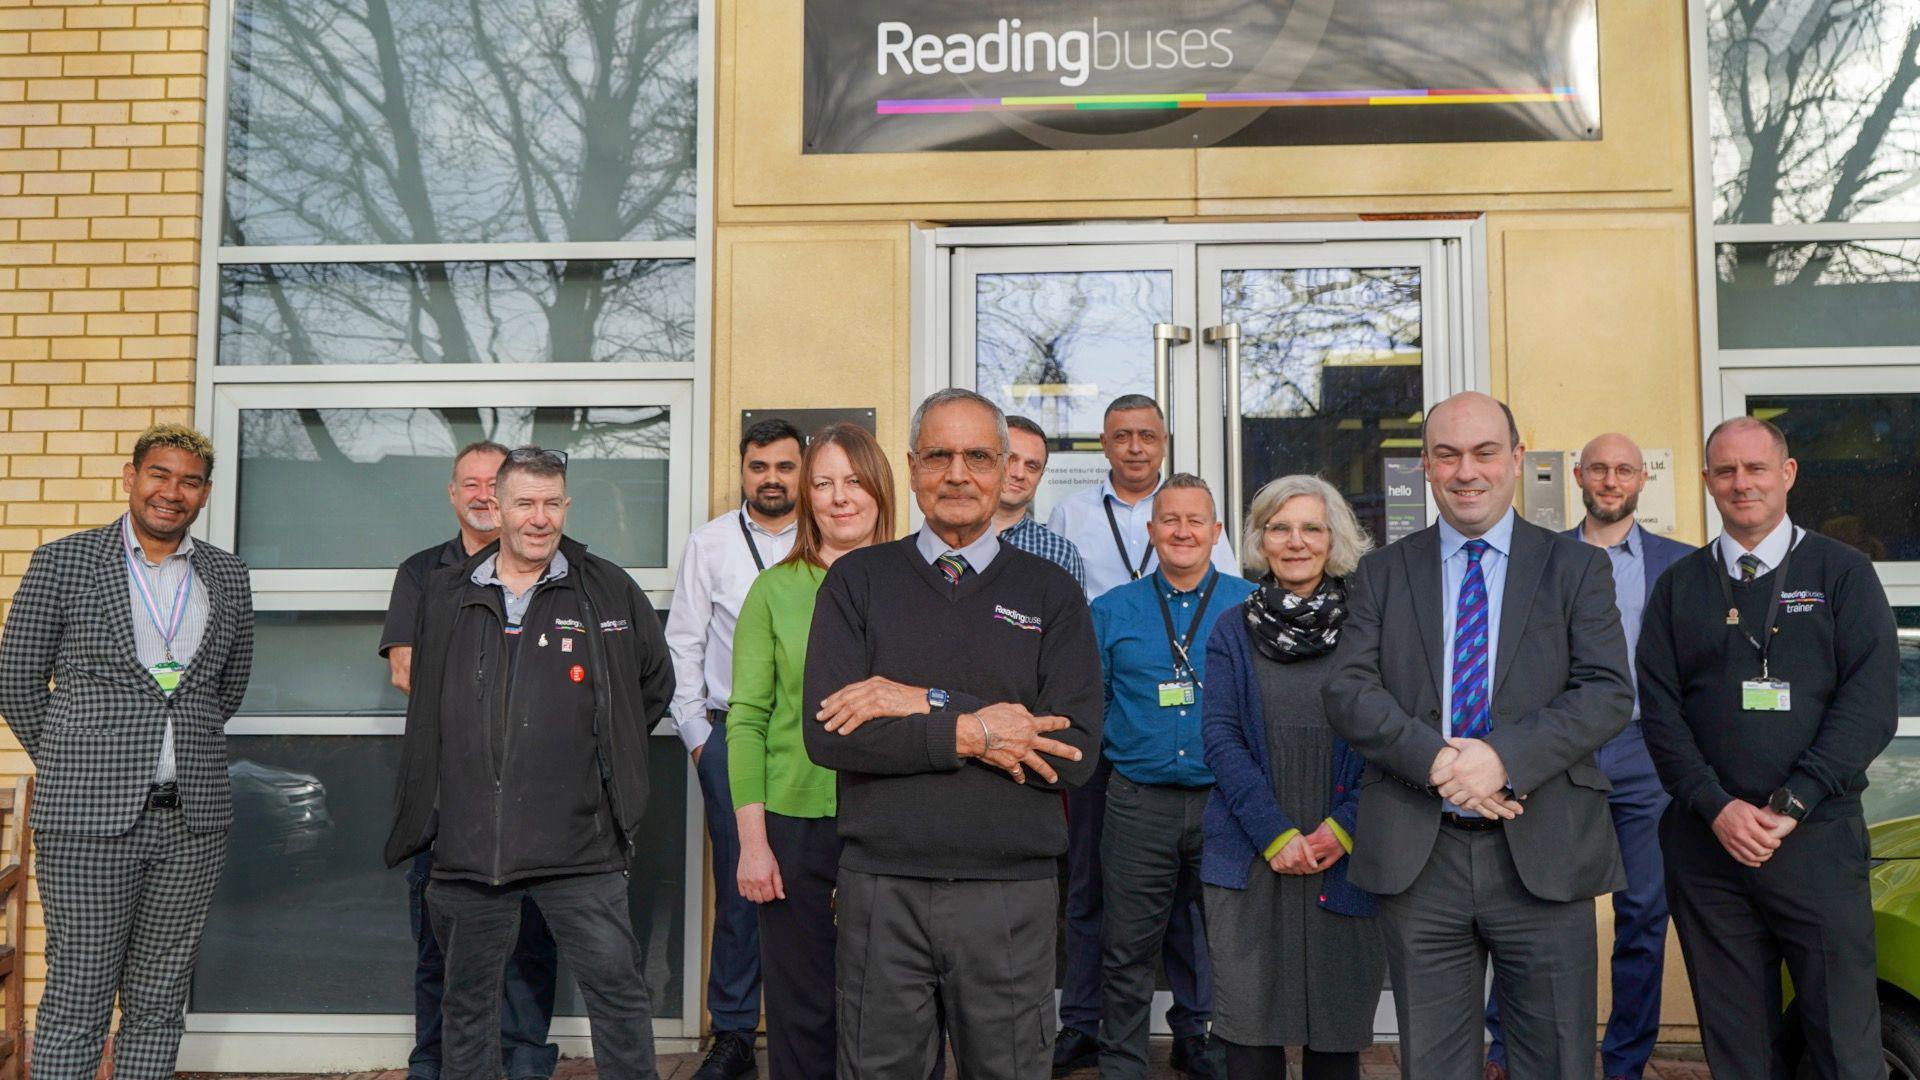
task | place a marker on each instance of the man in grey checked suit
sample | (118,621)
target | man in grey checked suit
(146,637)
(1483,664)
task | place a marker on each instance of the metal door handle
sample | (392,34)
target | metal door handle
(1165,337)
(1227,336)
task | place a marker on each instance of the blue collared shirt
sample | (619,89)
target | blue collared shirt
(1036,539)
(979,554)
(487,573)
(1453,567)
(1080,517)
(1629,559)
(1145,742)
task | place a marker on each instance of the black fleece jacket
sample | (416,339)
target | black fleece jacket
(567,760)
(1020,633)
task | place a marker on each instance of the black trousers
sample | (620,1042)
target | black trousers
(797,938)
(1270,1063)
(1809,906)
(981,952)
(477,924)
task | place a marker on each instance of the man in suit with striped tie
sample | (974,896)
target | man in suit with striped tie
(146,636)
(1483,665)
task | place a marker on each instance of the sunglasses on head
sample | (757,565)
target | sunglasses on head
(527,455)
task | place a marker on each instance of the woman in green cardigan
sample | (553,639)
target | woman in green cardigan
(784,803)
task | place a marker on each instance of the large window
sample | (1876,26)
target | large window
(430,224)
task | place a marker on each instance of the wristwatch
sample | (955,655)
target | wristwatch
(936,699)
(1783,801)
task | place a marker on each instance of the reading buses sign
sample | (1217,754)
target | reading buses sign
(901,75)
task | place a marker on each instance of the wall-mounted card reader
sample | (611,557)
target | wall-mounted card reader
(1543,488)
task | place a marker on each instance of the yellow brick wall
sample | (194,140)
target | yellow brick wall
(101,136)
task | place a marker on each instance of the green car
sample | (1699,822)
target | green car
(1896,923)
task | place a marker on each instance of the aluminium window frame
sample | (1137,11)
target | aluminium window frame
(310,1042)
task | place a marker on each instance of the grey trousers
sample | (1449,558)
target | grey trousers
(1469,904)
(1150,863)
(985,948)
(124,914)
(477,925)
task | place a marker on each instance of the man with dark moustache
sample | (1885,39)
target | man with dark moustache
(1769,681)
(127,649)
(1611,474)
(526,993)
(539,672)
(719,564)
(949,808)
(1482,666)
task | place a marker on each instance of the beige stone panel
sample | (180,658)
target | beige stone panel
(1592,329)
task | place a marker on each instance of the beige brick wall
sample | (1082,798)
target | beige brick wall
(101,136)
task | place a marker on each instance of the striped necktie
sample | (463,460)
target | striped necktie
(953,565)
(1472,717)
(1749,566)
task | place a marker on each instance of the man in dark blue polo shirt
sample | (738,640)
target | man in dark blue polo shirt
(1153,635)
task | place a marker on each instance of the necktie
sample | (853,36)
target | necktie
(1472,718)
(1749,566)
(953,565)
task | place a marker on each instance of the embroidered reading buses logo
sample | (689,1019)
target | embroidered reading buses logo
(1801,600)
(1016,620)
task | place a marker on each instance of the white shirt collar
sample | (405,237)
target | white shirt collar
(133,545)
(754,524)
(1769,551)
(1107,490)
(1500,537)
(979,554)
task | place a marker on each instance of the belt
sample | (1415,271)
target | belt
(717,716)
(163,796)
(1469,823)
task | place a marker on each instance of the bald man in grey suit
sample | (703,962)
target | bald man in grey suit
(1482,665)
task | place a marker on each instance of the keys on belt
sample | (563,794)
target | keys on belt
(163,796)
(1468,822)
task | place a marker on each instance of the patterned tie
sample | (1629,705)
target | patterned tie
(954,565)
(1472,718)
(1749,566)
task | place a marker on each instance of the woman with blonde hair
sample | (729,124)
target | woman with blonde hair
(1297,958)
(785,804)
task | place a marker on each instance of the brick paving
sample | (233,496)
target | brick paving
(1380,1063)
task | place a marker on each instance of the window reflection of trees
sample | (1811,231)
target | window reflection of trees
(1088,334)
(469,121)
(1813,110)
(1294,323)
(502,313)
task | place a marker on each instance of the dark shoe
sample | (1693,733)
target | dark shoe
(1074,1049)
(730,1057)
(1193,1055)
(1494,1071)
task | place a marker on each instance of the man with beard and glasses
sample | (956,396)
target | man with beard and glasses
(127,650)
(721,560)
(526,994)
(1014,522)
(1611,476)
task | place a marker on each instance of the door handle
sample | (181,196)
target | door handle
(1227,336)
(1165,337)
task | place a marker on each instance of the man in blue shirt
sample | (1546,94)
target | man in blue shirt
(1611,475)
(1152,635)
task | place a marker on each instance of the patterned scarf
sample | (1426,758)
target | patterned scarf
(1287,627)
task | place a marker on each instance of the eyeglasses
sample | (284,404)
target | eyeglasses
(527,455)
(1624,472)
(980,461)
(1284,529)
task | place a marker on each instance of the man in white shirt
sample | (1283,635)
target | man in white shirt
(1108,524)
(721,560)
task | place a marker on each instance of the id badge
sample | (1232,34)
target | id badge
(1765,695)
(167,673)
(1175,694)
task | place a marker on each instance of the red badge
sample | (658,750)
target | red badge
(577,673)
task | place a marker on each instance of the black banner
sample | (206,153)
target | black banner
(888,76)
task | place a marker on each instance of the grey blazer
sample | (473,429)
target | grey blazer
(1560,690)
(94,735)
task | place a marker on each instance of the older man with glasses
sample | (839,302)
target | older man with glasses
(538,672)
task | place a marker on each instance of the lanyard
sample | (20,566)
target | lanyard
(168,627)
(1765,644)
(751,546)
(1182,660)
(1133,573)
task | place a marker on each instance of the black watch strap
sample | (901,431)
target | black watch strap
(1784,801)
